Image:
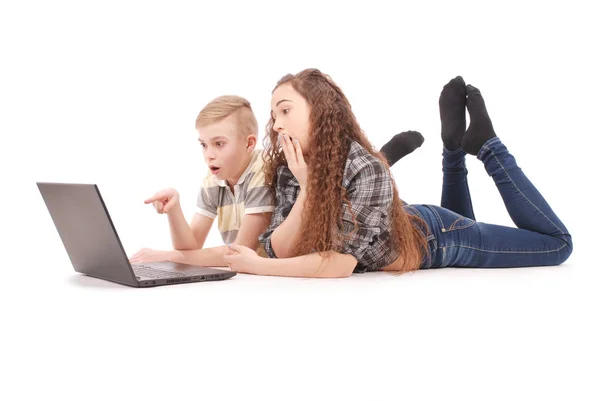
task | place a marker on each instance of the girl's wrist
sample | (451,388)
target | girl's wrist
(173,256)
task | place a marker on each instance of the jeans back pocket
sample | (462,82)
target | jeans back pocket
(449,220)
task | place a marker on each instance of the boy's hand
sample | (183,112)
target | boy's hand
(165,200)
(295,159)
(146,255)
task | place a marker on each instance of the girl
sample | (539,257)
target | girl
(338,209)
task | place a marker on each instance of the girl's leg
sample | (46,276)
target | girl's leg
(455,189)
(462,242)
(540,239)
(526,206)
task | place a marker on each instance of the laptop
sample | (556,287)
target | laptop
(93,245)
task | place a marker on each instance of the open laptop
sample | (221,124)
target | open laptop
(94,247)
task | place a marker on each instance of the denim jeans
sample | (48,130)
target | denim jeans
(455,238)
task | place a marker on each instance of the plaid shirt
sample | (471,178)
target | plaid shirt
(369,187)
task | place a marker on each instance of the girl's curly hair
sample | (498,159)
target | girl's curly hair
(333,127)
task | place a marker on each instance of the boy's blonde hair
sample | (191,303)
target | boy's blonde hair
(224,106)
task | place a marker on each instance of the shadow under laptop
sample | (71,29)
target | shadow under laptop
(81,280)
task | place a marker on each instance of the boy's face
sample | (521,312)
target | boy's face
(225,151)
(291,115)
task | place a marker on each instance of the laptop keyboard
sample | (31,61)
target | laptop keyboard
(145,271)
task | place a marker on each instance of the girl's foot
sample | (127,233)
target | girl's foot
(401,145)
(480,129)
(452,113)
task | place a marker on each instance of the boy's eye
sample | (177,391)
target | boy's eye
(285,111)
(219,144)
(203,145)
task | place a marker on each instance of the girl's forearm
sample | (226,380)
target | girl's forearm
(336,265)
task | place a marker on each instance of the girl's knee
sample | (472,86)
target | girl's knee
(567,249)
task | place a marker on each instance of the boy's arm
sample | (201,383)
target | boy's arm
(200,226)
(252,226)
(186,236)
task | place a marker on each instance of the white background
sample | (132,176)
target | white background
(108,92)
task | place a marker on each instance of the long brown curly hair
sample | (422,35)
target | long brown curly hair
(333,127)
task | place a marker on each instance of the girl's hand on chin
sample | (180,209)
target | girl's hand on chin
(295,159)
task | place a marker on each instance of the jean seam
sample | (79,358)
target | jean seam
(493,251)
(445,230)
(470,200)
(437,216)
(486,145)
(429,233)
(454,223)
(453,228)
(416,211)
(528,200)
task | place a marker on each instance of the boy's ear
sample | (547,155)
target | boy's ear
(251,142)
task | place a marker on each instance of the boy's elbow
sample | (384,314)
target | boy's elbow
(252,244)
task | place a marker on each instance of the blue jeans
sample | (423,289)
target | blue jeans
(454,238)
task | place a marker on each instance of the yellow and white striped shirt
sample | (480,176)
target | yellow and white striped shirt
(250,196)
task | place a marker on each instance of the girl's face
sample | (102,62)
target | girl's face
(291,115)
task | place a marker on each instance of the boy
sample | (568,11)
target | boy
(234,188)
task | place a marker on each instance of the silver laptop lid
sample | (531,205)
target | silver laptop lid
(87,231)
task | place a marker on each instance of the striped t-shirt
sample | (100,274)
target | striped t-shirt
(250,196)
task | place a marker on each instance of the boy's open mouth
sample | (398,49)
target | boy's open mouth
(214,169)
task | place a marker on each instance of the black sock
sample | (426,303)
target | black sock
(452,113)
(401,145)
(480,129)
